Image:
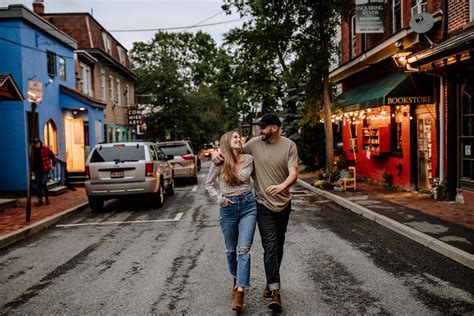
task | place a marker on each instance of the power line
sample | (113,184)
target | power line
(218,13)
(175,28)
(31,47)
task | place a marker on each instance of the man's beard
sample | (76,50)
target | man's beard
(267,136)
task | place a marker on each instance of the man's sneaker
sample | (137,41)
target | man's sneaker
(275,303)
(266,292)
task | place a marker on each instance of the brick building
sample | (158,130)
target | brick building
(408,114)
(102,69)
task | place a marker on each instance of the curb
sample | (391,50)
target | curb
(437,245)
(30,230)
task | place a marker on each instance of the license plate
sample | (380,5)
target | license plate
(116,174)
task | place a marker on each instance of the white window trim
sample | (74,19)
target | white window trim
(127,95)
(111,88)
(86,78)
(103,85)
(62,68)
(117,92)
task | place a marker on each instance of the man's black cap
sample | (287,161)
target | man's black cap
(269,119)
(36,140)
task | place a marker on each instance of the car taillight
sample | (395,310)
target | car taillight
(87,173)
(149,169)
(188,157)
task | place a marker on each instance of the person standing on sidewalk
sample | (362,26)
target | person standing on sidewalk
(276,169)
(238,212)
(42,157)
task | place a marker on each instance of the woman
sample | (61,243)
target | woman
(238,211)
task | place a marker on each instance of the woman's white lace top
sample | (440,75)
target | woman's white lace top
(244,174)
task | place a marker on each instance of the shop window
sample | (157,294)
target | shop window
(51,63)
(51,136)
(396,118)
(467,133)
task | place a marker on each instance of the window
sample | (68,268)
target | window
(51,61)
(127,95)
(85,79)
(467,133)
(111,88)
(353,36)
(121,53)
(396,15)
(62,68)
(103,84)
(106,42)
(51,136)
(396,118)
(117,92)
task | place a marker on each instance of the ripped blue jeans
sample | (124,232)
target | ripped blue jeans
(238,226)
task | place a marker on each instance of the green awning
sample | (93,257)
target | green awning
(375,93)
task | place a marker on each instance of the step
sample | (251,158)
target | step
(60,189)
(7,203)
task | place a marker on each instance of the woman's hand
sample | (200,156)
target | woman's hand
(225,202)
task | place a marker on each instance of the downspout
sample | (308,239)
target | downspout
(441,130)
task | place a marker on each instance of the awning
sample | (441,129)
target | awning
(8,88)
(394,88)
(72,99)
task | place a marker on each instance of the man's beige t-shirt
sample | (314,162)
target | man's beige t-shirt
(271,167)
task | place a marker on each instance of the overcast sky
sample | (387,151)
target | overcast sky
(144,14)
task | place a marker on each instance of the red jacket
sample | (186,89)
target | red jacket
(46,157)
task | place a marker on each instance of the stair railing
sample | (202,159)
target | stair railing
(59,173)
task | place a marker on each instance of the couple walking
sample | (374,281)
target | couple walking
(272,161)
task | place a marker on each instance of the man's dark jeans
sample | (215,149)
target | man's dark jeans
(272,226)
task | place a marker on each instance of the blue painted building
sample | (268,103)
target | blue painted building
(33,50)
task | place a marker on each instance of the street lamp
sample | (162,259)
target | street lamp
(401,57)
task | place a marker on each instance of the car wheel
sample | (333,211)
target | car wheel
(96,203)
(160,197)
(170,189)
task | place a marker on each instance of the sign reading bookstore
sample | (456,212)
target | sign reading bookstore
(369,16)
(134,116)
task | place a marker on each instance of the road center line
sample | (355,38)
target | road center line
(176,219)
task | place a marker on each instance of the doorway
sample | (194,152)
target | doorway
(75,151)
(424,150)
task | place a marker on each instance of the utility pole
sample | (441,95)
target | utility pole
(30,160)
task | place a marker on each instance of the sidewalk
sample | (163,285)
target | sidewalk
(446,227)
(13,226)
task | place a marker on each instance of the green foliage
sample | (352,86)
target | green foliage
(185,84)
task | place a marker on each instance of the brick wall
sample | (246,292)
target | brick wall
(458,15)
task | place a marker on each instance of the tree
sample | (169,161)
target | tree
(291,40)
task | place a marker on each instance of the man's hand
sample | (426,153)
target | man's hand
(217,158)
(274,189)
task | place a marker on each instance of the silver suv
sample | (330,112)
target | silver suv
(119,169)
(185,163)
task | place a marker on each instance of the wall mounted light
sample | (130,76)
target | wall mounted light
(401,57)
(74,112)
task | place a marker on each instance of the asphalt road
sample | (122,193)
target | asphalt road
(134,259)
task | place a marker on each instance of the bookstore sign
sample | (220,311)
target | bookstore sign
(134,116)
(369,17)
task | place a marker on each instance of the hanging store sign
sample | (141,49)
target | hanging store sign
(369,16)
(409,100)
(134,116)
(35,91)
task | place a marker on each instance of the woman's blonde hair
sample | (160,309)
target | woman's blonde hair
(229,170)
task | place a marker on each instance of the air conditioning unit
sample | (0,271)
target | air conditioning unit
(418,8)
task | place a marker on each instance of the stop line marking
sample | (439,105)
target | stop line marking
(176,219)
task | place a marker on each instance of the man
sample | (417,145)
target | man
(41,159)
(275,170)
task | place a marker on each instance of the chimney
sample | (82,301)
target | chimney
(38,7)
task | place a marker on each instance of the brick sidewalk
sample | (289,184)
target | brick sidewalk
(452,212)
(13,219)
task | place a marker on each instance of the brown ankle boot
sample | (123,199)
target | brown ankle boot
(234,288)
(275,303)
(266,292)
(238,304)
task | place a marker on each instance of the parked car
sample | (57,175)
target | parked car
(116,170)
(185,162)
